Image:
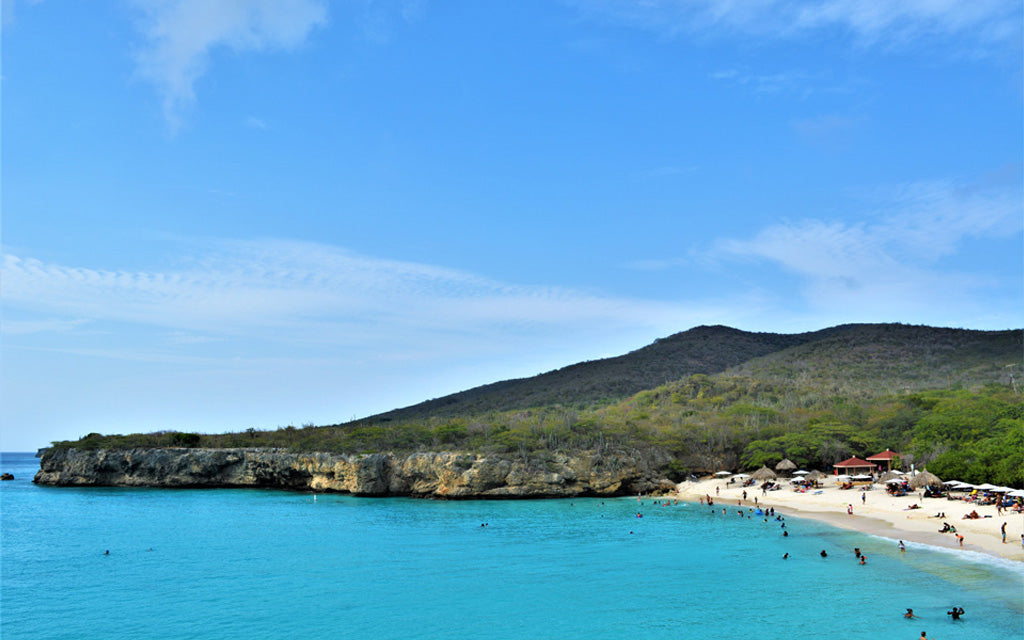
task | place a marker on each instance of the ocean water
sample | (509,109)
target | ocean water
(225,564)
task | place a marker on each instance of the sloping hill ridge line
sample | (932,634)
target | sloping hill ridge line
(880,356)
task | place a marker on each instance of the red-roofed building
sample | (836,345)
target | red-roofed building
(886,456)
(853,465)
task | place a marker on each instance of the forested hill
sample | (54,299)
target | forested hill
(861,357)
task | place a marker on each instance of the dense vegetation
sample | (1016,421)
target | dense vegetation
(816,402)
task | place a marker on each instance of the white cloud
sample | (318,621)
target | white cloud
(180,34)
(871,23)
(895,259)
(313,291)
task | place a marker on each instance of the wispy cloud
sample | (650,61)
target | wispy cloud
(887,24)
(180,34)
(895,261)
(279,290)
(256,123)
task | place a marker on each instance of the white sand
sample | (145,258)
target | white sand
(880,514)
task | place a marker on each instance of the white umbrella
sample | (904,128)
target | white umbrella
(951,482)
(1002,489)
(741,476)
(800,473)
(962,486)
(843,477)
(724,473)
(895,481)
(1016,493)
(862,477)
(986,487)
(797,480)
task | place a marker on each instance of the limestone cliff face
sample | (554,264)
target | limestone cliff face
(442,474)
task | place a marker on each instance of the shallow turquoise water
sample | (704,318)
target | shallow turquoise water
(267,564)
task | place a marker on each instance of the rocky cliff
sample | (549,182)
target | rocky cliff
(442,475)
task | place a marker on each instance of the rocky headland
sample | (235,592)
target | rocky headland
(431,475)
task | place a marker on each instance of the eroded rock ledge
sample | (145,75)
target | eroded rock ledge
(442,474)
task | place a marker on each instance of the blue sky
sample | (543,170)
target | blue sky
(224,214)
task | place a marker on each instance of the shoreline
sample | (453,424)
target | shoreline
(879,514)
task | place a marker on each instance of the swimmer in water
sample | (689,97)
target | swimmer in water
(862,559)
(909,614)
(955,612)
(824,554)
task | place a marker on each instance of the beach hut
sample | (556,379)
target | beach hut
(854,465)
(785,466)
(926,479)
(886,458)
(762,474)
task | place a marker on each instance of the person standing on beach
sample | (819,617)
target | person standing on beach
(1002,530)
(960,539)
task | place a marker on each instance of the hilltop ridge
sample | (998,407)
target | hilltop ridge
(887,355)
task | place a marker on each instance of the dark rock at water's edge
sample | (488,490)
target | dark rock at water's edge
(6,476)
(437,475)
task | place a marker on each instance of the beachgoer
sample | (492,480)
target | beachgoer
(955,612)
(863,497)
(863,558)
(824,554)
(924,636)
(902,546)
(960,539)
(107,552)
(785,534)
(716,491)
(909,614)
(856,552)
(785,556)
(744,494)
(1002,530)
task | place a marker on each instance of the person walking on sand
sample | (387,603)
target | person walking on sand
(1002,530)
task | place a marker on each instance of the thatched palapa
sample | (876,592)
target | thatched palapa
(785,465)
(764,473)
(925,479)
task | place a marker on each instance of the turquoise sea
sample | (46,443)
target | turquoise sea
(225,564)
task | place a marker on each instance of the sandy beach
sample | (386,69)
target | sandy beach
(878,514)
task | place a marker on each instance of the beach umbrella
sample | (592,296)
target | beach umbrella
(842,477)
(986,487)
(1002,489)
(894,481)
(741,476)
(764,473)
(1016,493)
(785,465)
(723,473)
(862,476)
(925,479)
(800,473)
(952,482)
(888,475)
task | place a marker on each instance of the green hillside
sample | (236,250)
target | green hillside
(715,397)
(860,358)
